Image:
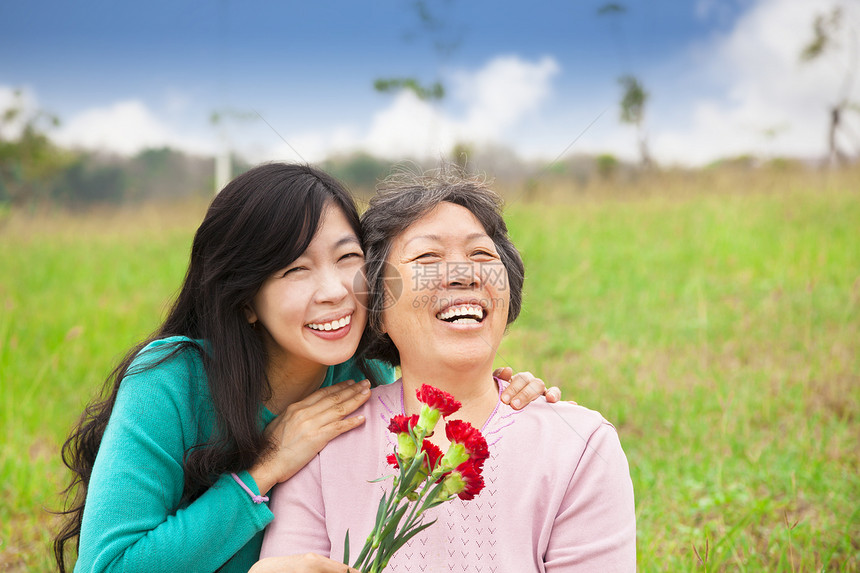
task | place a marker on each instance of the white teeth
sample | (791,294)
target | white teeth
(473,313)
(333,325)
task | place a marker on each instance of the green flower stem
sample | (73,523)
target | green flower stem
(413,524)
(381,529)
(391,531)
(416,509)
(386,537)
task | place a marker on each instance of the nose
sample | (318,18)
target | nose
(332,287)
(461,274)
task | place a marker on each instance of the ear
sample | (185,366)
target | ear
(250,315)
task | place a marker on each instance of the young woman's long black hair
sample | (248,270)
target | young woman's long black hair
(259,223)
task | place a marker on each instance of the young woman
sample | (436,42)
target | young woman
(558,494)
(224,400)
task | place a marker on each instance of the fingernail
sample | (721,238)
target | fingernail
(516,403)
(350,382)
(506,399)
(365,383)
(365,390)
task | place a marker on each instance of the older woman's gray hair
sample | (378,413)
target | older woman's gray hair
(403,199)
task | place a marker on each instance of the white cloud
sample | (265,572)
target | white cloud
(125,127)
(177,101)
(410,127)
(771,103)
(504,91)
(310,146)
(492,100)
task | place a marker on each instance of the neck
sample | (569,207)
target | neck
(291,382)
(474,388)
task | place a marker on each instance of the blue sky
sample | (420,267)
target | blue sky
(720,74)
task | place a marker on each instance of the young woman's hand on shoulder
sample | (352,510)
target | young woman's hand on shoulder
(305,427)
(524,388)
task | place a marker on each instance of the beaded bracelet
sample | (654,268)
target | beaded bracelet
(254,497)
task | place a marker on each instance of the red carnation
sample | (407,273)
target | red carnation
(460,432)
(465,482)
(473,479)
(438,399)
(400,424)
(433,455)
(406,444)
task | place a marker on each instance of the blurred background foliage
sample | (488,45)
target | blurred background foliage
(37,173)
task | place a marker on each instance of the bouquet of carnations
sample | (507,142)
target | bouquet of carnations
(426,478)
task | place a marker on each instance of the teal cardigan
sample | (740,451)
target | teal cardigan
(134,519)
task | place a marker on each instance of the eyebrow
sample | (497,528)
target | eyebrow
(438,239)
(347,239)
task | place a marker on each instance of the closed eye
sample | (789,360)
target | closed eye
(293,270)
(427,256)
(484,253)
(351,256)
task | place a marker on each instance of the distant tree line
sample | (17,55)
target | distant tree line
(34,170)
(78,178)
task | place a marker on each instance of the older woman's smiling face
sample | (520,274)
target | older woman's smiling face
(454,306)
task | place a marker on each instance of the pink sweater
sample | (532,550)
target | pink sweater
(558,497)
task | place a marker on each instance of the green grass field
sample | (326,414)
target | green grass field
(719,331)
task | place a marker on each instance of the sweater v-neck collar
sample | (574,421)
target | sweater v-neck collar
(500,384)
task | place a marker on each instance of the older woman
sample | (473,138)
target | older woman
(446,281)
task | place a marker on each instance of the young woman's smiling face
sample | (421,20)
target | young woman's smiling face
(310,312)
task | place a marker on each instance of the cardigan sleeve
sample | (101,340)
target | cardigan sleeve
(134,519)
(299,525)
(595,528)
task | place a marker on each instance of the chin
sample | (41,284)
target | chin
(340,358)
(333,357)
(465,358)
